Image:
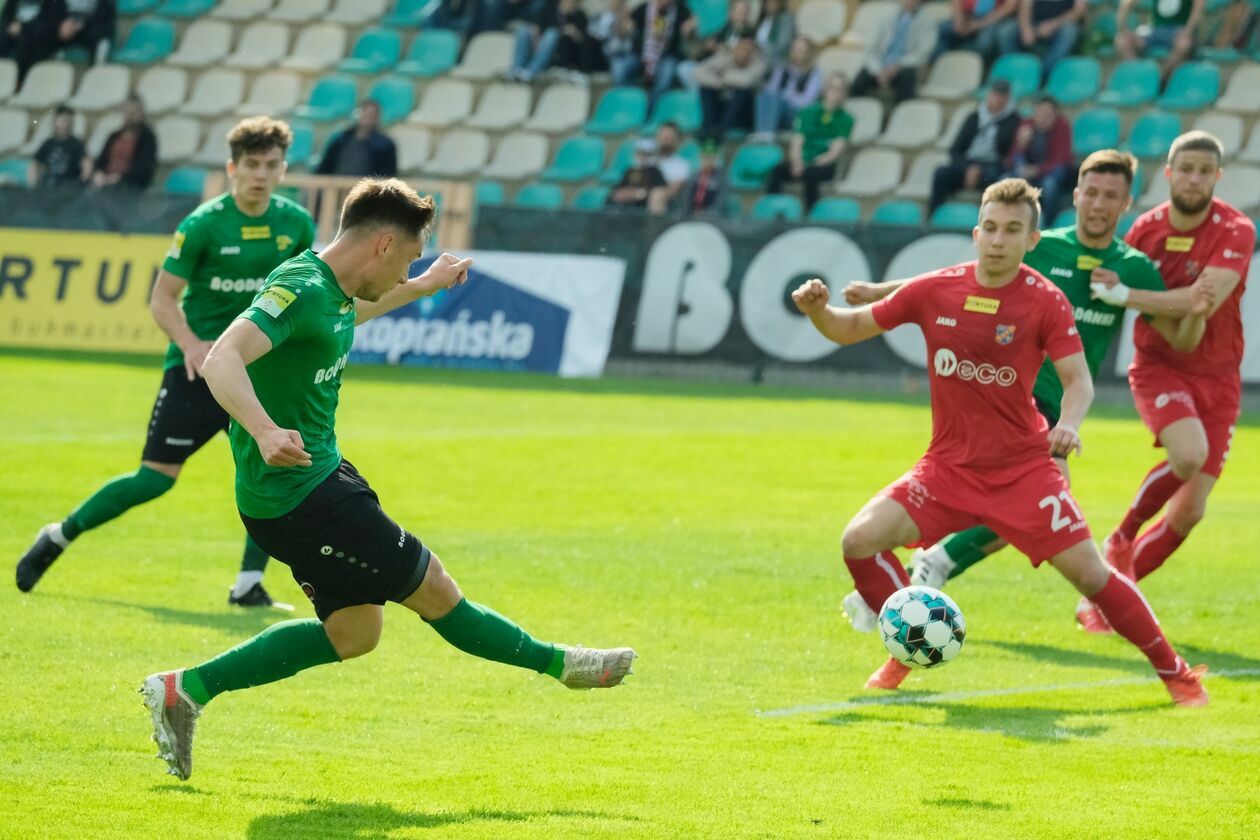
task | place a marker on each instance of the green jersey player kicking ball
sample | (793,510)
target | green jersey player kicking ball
(1082,260)
(277,371)
(222,253)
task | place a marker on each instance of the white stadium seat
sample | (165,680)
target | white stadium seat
(14,125)
(821,20)
(955,125)
(105,126)
(47,84)
(8,78)
(102,87)
(841,60)
(460,153)
(868,116)
(216,92)
(1240,186)
(300,11)
(955,75)
(917,185)
(872,172)
(214,149)
(561,108)
(502,106)
(242,10)
(262,44)
(318,47)
(443,103)
(1251,152)
(866,22)
(177,138)
(519,156)
(275,92)
(914,124)
(357,12)
(162,88)
(488,56)
(1228,128)
(205,43)
(1242,94)
(414,143)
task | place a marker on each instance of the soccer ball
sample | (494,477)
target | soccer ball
(922,627)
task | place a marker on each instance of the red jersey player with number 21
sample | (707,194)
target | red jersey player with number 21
(989,325)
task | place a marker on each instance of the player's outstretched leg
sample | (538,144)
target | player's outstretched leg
(115,498)
(248,590)
(1128,612)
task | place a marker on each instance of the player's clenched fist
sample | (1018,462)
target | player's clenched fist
(860,292)
(1064,439)
(283,448)
(811,297)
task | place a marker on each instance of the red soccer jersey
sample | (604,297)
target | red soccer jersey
(1226,239)
(985,347)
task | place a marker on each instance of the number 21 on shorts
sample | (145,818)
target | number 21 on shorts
(1057,520)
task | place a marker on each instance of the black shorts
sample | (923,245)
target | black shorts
(185,416)
(341,547)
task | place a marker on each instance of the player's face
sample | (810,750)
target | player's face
(1100,199)
(1004,234)
(255,175)
(395,252)
(1192,177)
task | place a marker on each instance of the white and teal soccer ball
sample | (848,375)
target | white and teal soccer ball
(922,627)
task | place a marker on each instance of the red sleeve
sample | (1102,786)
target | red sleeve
(1233,250)
(1059,335)
(901,307)
(1135,231)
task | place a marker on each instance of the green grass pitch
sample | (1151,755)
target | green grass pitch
(699,524)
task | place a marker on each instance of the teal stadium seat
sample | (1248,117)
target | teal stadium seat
(186,8)
(955,215)
(898,214)
(150,40)
(710,15)
(537,196)
(14,171)
(1065,218)
(771,207)
(678,106)
(407,14)
(752,163)
(577,159)
(1194,86)
(1074,80)
(376,51)
(303,145)
(185,180)
(620,110)
(131,8)
(432,53)
(332,98)
(488,194)
(1132,83)
(395,96)
(620,161)
(1153,133)
(1097,128)
(690,152)
(1126,222)
(837,211)
(590,198)
(1022,70)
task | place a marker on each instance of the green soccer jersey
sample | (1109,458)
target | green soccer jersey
(226,256)
(310,322)
(1067,263)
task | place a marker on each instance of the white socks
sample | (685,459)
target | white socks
(245,581)
(54,534)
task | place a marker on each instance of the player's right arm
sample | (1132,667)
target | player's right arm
(164,304)
(843,326)
(861,291)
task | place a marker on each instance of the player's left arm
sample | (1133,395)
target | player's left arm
(1107,286)
(1078,393)
(446,271)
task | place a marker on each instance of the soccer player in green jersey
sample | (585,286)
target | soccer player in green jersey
(1072,258)
(222,253)
(277,371)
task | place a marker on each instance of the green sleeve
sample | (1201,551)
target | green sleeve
(187,248)
(281,311)
(846,125)
(1142,274)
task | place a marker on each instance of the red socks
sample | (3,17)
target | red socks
(877,577)
(1157,488)
(1153,548)
(1127,611)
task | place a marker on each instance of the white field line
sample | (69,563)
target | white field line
(949,696)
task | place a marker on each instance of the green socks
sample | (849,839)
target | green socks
(966,548)
(278,652)
(116,498)
(254,559)
(483,632)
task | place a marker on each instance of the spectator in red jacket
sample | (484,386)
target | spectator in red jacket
(1042,155)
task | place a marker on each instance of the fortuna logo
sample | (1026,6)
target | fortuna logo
(244,284)
(948,364)
(946,322)
(1093,317)
(1061,272)
(328,373)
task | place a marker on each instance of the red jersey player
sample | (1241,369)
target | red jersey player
(989,326)
(1189,401)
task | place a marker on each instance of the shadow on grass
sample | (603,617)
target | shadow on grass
(346,819)
(966,803)
(1027,723)
(1219,660)
(1129,661)
(241,621)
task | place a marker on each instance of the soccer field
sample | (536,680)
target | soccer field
(699,524)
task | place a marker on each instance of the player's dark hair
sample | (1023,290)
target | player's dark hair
(1110,162)
(258,135)
(387,202)
(1014,191)
(1196,141)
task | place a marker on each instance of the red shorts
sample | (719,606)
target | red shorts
(1032,510)
(1164,396)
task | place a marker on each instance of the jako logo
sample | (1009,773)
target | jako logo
(245,284)
(947,364)
(462,337)
(942,321)
(327,374)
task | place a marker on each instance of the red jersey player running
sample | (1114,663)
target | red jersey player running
(1189,401)
(989,325)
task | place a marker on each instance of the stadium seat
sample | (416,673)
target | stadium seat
(13,127)
(577,159)
(914,124)
(955,215)
(560,109)
(710,16)
(162,88)
(1153,133)
(822,20)
(214,145)
(1022,70)
(1242,94)
(771,207)
(954,76)
(502,105)
(1132,83)
(836,211)
(1193,85)
(42,125)
(407,14)
(460,153)
(1126,222)
(185,180)
(149,41)
(898,214)
(396,97)
(303,146)
(618,163)
(102,87)
(1251,152)
(868,118)
(414,144)
(356,12)
(1065,218)
(131,8)
(751,165)
(443,103)
(1240,186)
(487,56)
(868,18)
(537,196)
(1074,80)
(1228,128)
(319,46)
(955,125)
(332,98)
(177,138)
(841,60)
(262,44)
(518,156)
(186,8)
(677,106)
(918,181)
(14,171)
(489,194)
(1097,128)
(206,42)
(872,172)
(8,78)
(590,198)
(620,110)
(215,93)
(432,53)
(300,11)
(240,11)
(1156,192)
(375,51)
(47,84)
(275,92)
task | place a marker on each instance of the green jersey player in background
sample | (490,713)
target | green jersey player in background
(1072,258)
(221,255)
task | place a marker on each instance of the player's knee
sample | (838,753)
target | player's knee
(359,643)
(171,471)
(856,541)
(1186,461)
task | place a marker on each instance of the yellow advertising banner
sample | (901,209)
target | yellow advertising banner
(77,290)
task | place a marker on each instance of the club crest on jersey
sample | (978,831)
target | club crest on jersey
(308,591)
(1005,334)
(1192,269)
(283,242)
(987,306)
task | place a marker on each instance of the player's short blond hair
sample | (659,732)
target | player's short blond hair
(259,134)
(387,202)
(1014,191)
(1197,141)
(1110,162)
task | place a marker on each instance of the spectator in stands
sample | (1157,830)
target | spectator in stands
(28,32)
(499,13)
(1174,24)
(362,149)
(776,30)
(659,29)
(62,159)
(697,48)
(462,16)
(1042,155)
(612,36)
(974,25)
(129,157)
(1051,27)
(902,45)
(819,137)
(703,193)
(728,85)
(674,167)
(641,182)
(792,85)
(556,36)
(981,145)
(89,25)
(1238,26)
